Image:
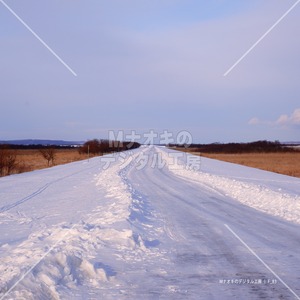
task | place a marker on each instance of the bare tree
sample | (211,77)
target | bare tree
(8,161)
(49,153)
(11,162)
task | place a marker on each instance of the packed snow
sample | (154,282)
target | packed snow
(152,223)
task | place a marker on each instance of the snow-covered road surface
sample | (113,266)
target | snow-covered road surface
(148,227)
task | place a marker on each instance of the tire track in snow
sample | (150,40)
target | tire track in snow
(41,190)
(37,192)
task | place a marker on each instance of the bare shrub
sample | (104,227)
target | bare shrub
(49,154)
(8,161)
(11,162)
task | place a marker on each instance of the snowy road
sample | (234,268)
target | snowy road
(149,228)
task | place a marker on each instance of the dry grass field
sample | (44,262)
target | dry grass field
(29,160)
(286,163)
(283,163)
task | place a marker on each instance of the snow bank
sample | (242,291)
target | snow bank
(53,260)
(271,201)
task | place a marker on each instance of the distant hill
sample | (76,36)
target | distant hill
(42,142)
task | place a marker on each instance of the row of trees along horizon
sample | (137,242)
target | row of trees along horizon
(98,147)
(235,148)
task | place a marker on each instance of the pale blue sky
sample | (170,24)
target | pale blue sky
(145,65)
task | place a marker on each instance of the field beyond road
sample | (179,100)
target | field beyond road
(282,163)
(30,160)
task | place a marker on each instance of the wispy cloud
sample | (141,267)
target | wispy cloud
(254,121)
(283,120)
(293,119)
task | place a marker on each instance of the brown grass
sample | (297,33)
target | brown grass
(282,163)
(29,160)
